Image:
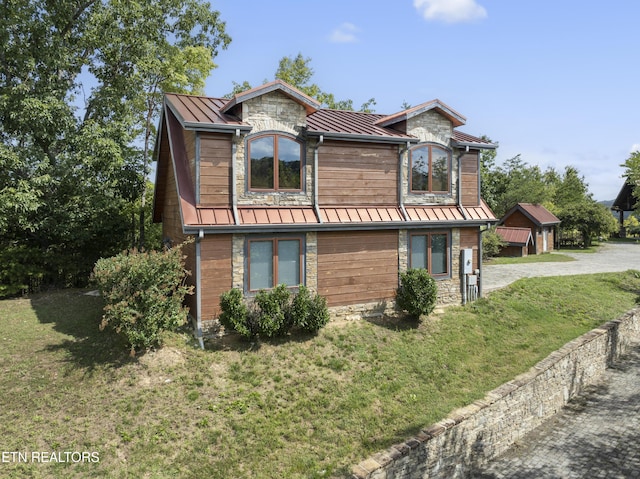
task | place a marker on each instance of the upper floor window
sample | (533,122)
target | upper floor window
(430,169)
(275,163)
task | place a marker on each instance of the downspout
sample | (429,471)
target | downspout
(234,187)
(316,208)
(199,290)
(400,185)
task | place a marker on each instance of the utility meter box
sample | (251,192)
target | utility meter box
(466,260)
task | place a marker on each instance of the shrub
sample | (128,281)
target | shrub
(144,292)
(417,293)
(309,313)
(273,312)
(492,243)
(235,314)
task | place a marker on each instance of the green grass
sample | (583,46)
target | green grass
(311,406)
(532,258)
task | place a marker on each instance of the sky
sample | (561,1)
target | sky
(556,81)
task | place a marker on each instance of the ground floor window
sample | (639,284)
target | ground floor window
(273,261)
(430,251)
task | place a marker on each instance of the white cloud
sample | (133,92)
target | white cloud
(450,11)
(345,33)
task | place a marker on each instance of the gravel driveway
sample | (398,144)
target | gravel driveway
(611,257)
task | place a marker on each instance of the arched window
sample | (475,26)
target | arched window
(275,163)
(430,166)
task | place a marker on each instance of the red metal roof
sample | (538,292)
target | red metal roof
(466,139)
(537,213)
(360,215)
(515,236)
(200,110)
(450,213)
(251,215)
(352,123)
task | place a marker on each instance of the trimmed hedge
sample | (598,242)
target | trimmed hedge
(417,293)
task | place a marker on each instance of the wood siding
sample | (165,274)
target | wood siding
(357,174)
(215,169)
(216,270)
(469,179)
(469,239)
(357,267)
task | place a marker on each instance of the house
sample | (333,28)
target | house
(536,218)
(519,241)
(624,202)
(275,189)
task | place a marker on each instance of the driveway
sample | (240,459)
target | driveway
(611,257)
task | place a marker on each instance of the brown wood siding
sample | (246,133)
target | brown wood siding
(215,169)
(190,149)
(216,270)
(469,166)
(171,220)
(469,239)
(357,267)
(357,174)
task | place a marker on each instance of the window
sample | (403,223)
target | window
(266,173)
(274,261)
(430,169)
(431,252)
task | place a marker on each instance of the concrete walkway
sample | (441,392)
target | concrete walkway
(611,257)
(598,434)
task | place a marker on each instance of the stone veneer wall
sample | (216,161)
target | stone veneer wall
(434,128)
(273,112)
(471,436)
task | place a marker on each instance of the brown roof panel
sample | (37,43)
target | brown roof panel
(456,118)
(200,110)
(464,139)
(537,213)
(515,236)
(352,123)
(360,215)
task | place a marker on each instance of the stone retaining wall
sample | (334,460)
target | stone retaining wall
(473,435)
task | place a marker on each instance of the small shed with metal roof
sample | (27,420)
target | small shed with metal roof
(536,218)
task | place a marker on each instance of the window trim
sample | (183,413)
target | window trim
(274,260)
(430,189)
(428,234)
(276,186)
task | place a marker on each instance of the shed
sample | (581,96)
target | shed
(539,220)
(624,202)
(519,241)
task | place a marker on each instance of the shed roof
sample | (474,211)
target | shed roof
(515,236)
(625,201)
(536,213)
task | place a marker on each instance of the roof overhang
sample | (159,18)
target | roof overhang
(296,95)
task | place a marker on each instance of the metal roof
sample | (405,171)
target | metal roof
(515,236)
(536,213)
(456,118)
(353,124)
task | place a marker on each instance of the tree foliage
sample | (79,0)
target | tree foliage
(565,194)
(297,72)
(632,174)
(80,91)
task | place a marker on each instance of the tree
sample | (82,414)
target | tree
(589,218)
(77,109)
(297,72)
(632,175)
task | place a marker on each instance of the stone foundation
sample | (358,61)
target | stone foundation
(471,436)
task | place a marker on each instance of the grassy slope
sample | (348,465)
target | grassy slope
(307,407)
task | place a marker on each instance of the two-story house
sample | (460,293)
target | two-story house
(276,189)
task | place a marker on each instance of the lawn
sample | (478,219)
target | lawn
(310,406)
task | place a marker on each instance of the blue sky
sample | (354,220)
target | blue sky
(553,80)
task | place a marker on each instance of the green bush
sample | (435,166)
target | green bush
(310,313)
(272,308)
(417,293)
(144,292)
(273,312)
(492,243)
